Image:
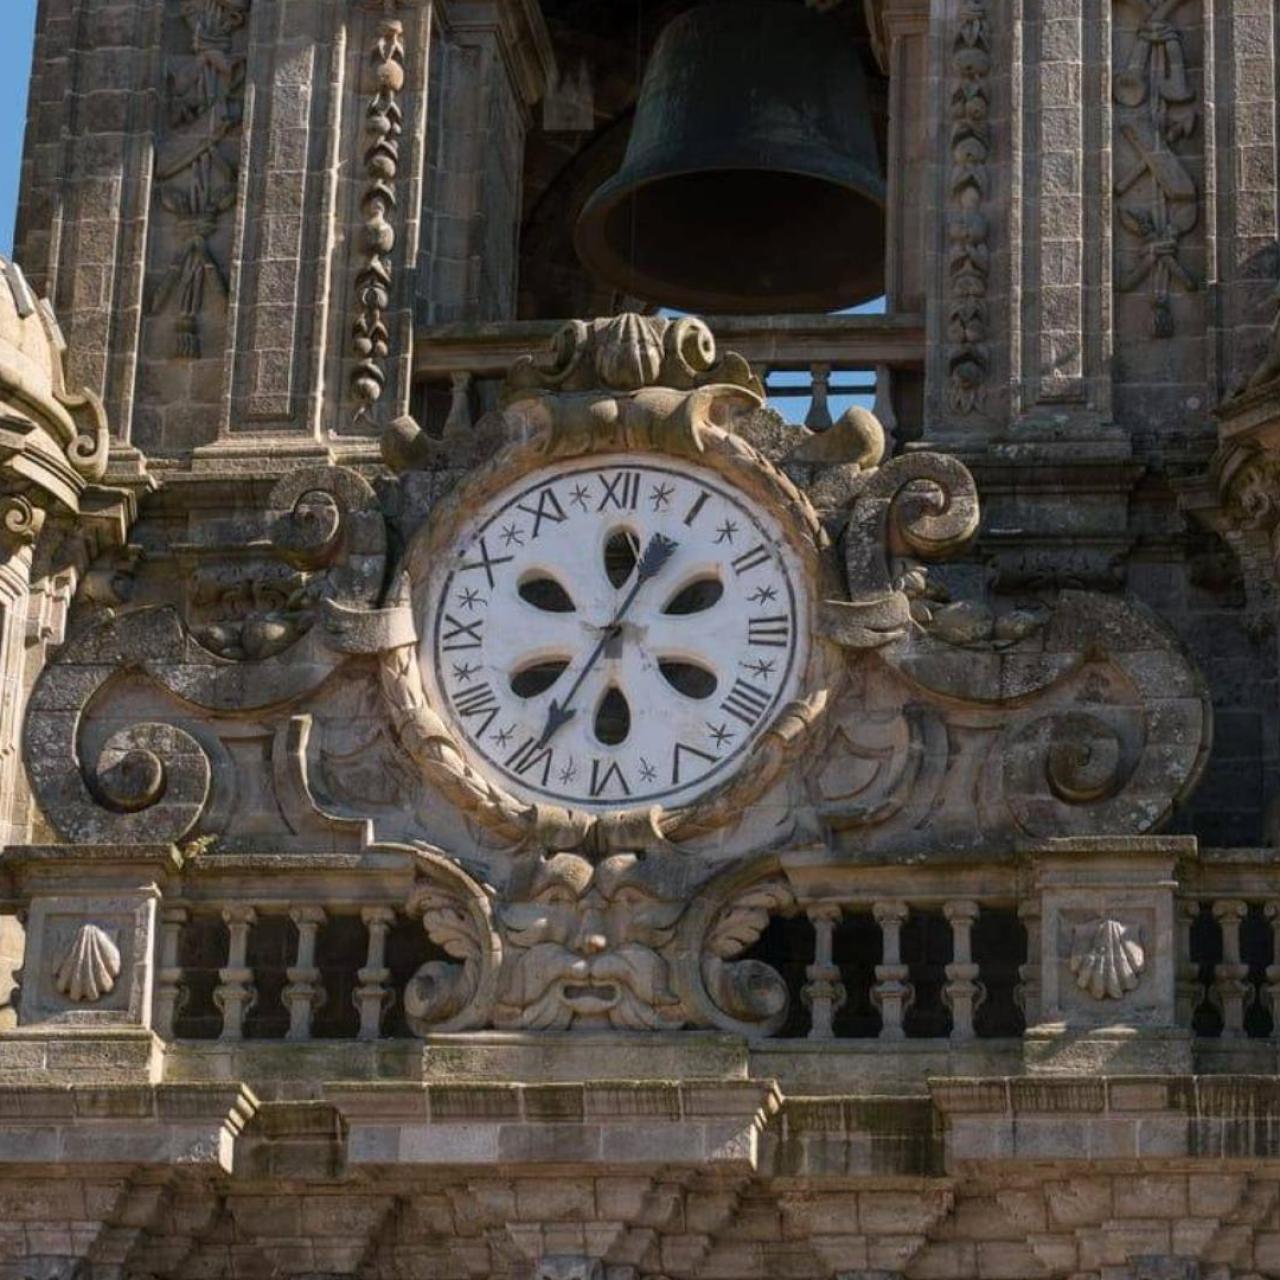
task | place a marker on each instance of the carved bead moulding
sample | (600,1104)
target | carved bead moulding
(648,637)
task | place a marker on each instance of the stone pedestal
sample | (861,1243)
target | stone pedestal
(1108,961)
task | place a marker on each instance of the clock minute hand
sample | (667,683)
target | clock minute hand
(650,564)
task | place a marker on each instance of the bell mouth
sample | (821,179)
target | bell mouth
(590,997)
(780,241)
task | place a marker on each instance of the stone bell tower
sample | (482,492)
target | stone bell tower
(542,739)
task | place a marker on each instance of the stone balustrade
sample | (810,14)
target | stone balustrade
(811,365)
(284,971)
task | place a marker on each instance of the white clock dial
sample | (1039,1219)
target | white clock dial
(615,633)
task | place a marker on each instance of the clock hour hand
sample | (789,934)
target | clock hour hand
(650,564)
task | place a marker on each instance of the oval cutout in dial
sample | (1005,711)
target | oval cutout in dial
(696,597)
(546,594)
(621,552)
(689,678)
(613,718)
(538,678)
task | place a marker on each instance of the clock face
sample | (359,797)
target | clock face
(615,633)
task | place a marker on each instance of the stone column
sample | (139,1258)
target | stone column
(21,525)
(372,995)
(962,993)
(304,994)
(168,972)
(236,994)
(488,71)
(1231,991)
(892,993)
(824,991)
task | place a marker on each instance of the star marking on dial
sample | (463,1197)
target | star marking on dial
(647,772)
(569,772)
(469,598)
(763,595)
(463,672)
(580,495)
(504,736)
(719,734)
(512,533)
(660,496)
(763,667)
(725,532)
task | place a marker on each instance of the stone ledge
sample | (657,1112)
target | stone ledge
(123,1124)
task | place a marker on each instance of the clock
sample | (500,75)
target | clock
(614,632)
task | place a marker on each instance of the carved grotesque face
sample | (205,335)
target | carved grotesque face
(584,946)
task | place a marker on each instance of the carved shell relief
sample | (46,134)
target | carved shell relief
(87,970)
(1107,958)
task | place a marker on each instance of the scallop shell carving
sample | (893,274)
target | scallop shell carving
(89,968)
(1107,958)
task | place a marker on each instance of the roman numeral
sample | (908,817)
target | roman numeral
(548,508)
(477,701)
(528,756)
(486,562)
(752,559)
(746,703)
(696,509)
(462,635)
(600,779)
(688,751)
(770,631)
(623,491)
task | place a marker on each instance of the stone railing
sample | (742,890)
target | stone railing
(1228,939)
(810,364)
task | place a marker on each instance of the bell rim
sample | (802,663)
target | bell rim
(595,253)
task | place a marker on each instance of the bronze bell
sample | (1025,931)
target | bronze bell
(751,181)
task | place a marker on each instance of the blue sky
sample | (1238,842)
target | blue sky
(17,22)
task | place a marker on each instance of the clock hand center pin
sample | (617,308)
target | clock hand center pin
(654,559)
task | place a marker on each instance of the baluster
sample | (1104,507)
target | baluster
(819,416)
(963,993)
(883,407)
(304,994)
(1187,991)
(457,426)
(1272,988)
(236,995)
(169,991)
(892,994)
(373,995)
(1229,985)
(1027,994)
(824,993)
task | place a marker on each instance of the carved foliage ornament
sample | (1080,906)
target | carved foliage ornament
(968,252)
(1157,202)
(197,159)
(384,124)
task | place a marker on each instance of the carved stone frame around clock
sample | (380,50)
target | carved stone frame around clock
(691,425)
